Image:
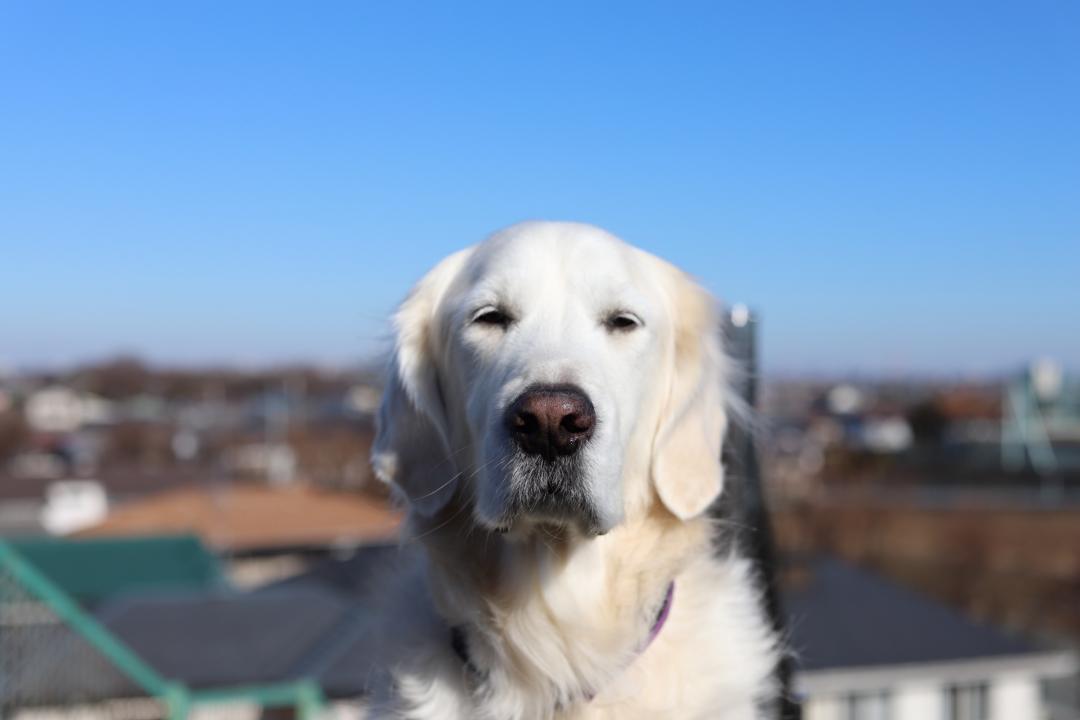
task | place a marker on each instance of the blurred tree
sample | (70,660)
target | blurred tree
(13,434)
(139,444)
(116,379)
(928,423)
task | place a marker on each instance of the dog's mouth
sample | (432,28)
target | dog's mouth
(548,492)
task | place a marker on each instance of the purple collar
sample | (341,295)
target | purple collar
(661,617)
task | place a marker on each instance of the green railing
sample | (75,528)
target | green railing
(33,608)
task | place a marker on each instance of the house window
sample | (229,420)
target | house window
(967,702)
(867,706)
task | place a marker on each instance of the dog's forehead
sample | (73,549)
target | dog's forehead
(565,253)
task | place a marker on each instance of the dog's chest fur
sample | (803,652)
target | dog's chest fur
(567,642)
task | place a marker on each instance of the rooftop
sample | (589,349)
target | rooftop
(841,616)
(249,517)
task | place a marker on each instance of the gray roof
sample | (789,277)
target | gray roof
(314,625)
(844,617)
(218,640)
(356,576)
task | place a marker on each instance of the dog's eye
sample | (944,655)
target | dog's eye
(491,316)
(622,322)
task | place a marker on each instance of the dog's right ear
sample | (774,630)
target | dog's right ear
(411,451)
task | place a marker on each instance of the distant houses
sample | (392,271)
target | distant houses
(75,446)
(1019,434)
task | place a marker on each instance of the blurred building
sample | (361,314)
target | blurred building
(1041,421)
(869,649)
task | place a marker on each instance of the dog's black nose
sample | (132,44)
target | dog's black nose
(551,420)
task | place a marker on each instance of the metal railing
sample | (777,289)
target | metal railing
(57,660)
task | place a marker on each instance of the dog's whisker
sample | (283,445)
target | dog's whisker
(443,524)
(463,505)
(454,477)
(450,456)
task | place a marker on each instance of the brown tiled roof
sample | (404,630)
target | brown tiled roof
(251,517)
(122,482)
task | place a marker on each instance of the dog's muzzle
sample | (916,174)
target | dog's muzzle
(548,425)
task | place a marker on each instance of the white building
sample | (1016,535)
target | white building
(59,409)
(872,650)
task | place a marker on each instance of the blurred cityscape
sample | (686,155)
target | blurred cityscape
(968,491)
(963,494)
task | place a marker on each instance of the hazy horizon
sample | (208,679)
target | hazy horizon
(375,362)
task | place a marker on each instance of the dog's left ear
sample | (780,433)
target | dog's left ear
(686,467)
(411,451)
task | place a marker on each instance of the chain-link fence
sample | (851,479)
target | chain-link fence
(48,670)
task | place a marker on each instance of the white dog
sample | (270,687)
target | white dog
(553,417)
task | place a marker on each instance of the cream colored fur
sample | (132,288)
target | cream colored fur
(557,617)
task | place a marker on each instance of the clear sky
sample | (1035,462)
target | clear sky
(894,186)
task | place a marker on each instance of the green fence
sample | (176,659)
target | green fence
(58,662)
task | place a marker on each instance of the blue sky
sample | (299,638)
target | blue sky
(895,187)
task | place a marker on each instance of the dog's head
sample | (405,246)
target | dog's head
(554,374)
